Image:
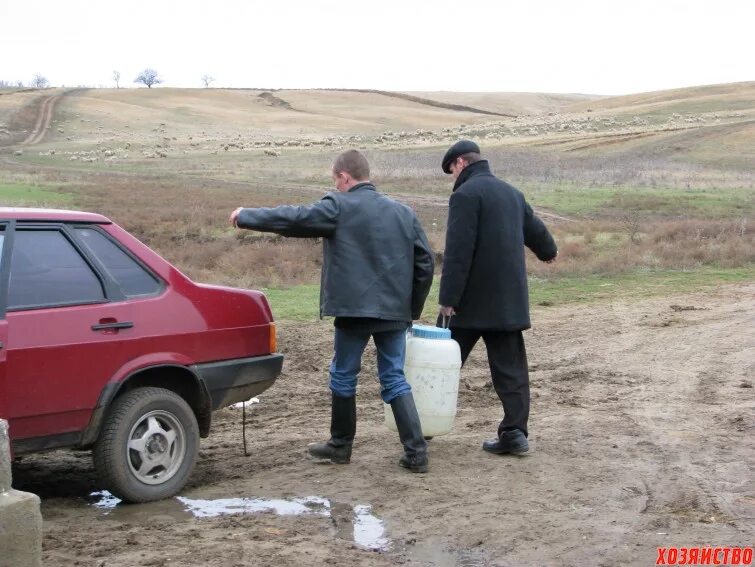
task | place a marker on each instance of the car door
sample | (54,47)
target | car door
(3,342)
(4,268)
(68,323)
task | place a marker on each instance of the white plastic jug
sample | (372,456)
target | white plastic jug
(432,368)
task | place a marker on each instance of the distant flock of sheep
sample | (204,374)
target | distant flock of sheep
(523,126)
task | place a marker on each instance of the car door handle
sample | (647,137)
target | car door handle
(107,326)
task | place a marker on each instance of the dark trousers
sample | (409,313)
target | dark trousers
(508,369)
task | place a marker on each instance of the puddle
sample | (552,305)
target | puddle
(368,530)
(311,505)
(111,507)
(103,499)
(354,523)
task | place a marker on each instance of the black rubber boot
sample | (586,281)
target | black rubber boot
(511,441)
(343,427)
(410,433)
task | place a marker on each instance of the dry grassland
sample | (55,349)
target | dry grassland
(626,183)
(510,103)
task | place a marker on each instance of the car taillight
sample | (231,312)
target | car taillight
(273,339)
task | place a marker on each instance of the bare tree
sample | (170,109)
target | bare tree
(19,84)
(207,79)
(148,77)
(117,79)
(40,82)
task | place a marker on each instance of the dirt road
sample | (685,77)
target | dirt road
(642,436)
(44,118)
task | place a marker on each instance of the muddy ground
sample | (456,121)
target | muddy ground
(641,431)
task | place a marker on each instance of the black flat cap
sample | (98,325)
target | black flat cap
(458,149)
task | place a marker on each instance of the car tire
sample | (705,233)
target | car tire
(148,445)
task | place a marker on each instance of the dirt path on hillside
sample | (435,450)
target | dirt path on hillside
(44,118)
(642,425)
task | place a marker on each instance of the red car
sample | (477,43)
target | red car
(104,344)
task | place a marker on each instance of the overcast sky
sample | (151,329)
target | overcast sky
(600,47)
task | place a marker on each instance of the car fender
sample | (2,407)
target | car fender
(132,368)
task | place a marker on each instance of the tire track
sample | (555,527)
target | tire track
(44,118)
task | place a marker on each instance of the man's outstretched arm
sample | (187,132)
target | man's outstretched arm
(317,219)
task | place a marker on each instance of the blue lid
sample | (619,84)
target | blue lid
(428,332)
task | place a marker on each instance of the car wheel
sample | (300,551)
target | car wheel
(148,445)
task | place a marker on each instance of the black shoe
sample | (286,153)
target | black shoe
(415,463)
(326,451)
(410,433)
(512,441)
(343,427)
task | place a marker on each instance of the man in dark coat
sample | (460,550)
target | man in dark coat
(483,289)
(377,271)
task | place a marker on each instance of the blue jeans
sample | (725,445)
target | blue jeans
(347,362)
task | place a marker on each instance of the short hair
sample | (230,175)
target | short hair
(354,163)
(471,157)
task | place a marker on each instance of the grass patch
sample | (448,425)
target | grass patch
(298,303)
(714,202)
(26,194)
(571,200)
(636,284)
(301,303)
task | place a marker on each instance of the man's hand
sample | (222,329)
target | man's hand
(447,311)
(234,216)
(552,260)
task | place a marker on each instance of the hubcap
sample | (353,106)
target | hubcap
(156,447)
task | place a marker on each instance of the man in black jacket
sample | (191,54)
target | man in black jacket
(376,274)
(483,288)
